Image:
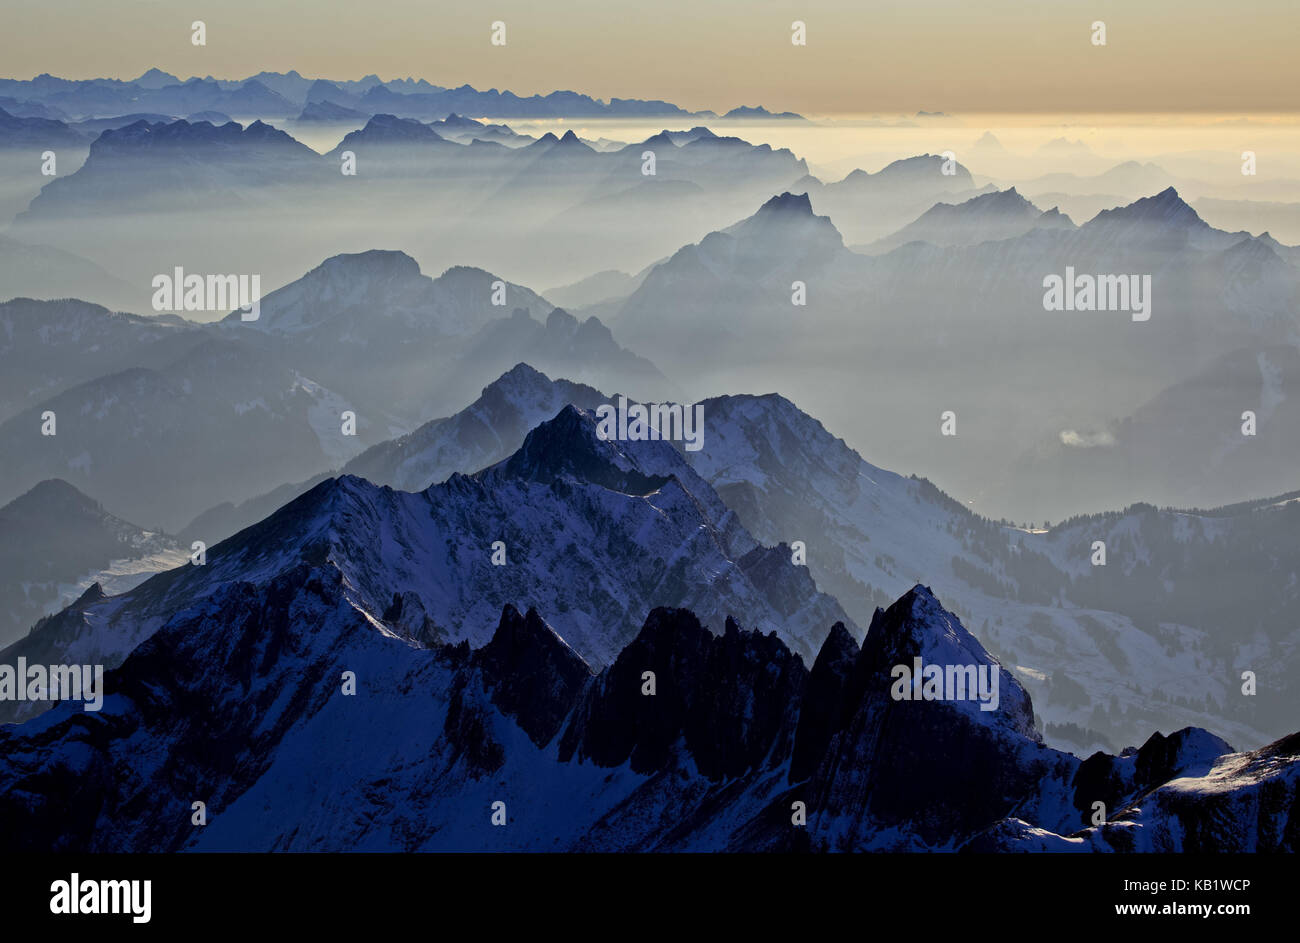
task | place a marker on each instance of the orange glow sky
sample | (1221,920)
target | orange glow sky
(862,57)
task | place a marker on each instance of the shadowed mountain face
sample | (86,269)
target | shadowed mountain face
(985,218)
(629,524)
(147,408)
(55,541)
(403,345)
(748,272)
(48,346)
(394,622)
(870,206)
(484,433)
(35,271)
(146,167)
(1073,631)
(28,132)
(739,746)
(550,210)
(155,442)
(1230,425)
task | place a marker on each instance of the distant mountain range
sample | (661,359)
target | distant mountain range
(961,298)
(37,271)
(37,132)
(449,189)
(366,334)
(867,206)
(721,313)
(367,568)
(1002,214)
(271,94)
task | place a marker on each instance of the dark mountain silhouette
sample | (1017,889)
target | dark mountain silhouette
(239,695)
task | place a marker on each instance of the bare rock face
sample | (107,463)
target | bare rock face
(729,701)
(534,676)
(928,771)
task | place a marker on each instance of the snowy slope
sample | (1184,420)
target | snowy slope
(239,702)
(481,434)
(1071,632)
(630,526)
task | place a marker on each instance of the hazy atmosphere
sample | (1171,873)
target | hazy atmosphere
(944,55)
(728,427)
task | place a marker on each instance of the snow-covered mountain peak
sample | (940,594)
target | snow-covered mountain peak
(520,381)
(918,626)
(570,446)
